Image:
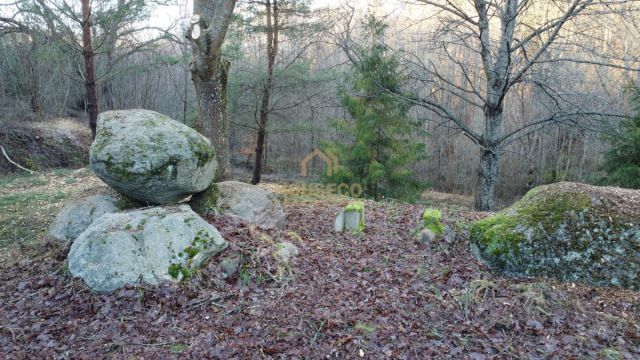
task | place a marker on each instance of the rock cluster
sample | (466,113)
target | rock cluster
(150,159)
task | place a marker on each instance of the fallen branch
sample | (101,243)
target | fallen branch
(14,163)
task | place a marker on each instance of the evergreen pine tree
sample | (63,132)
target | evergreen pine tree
(380,155)
(623,160)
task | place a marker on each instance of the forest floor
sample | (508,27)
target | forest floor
(380,294)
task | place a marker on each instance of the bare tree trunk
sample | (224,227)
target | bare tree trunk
(272,50)
(490,143)
(33,77)
(208,29)
(211,99)
(87,52)
(110,45)
(1,91)
(488,178)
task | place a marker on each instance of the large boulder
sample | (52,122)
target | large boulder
(150,246)
(151,158)
(248,202)
(76,215)
(568,231)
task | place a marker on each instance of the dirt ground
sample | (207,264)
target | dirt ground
(380,294)
(43,145)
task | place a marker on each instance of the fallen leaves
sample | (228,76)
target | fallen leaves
(375,295)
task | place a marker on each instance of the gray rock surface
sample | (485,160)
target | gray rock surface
(352,218)
(151,158)
(284,251)
(568,231)
(149,246)
(76,216)
(248,202)
(426,236)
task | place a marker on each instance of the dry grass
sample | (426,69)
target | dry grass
(447,200)
(28,204)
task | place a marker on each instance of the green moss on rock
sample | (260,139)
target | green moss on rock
(569,231)
(431,220)
(357,206)
(206,202)
(178,272)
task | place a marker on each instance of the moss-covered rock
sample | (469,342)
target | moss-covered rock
(431,220)
(351,218)
(149,246)
(151,158)
(568,231)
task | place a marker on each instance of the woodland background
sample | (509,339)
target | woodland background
(142,62)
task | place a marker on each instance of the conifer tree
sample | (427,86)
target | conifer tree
(380,153)
(623,160)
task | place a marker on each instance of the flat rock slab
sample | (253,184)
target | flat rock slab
(149,246)
(151,158)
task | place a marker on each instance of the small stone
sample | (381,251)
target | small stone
(426,236)
(230,266)
(339,222)
(284,251)
(351,218)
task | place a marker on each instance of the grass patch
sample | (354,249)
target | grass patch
(29,203)
(365,327)
(24,216)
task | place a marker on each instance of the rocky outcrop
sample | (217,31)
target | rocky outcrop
(245,201)
(151,158)
(149,246)
(567,231)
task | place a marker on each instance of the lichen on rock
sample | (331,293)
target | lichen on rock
(568,231)
(149,157)
(149,246)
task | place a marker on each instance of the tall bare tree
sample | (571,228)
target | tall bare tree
(209,24)
(90,73)
(272,32)
(512,44)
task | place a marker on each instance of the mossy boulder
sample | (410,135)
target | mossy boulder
(149,246)
(248,202)
(567,231)
(151,158)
